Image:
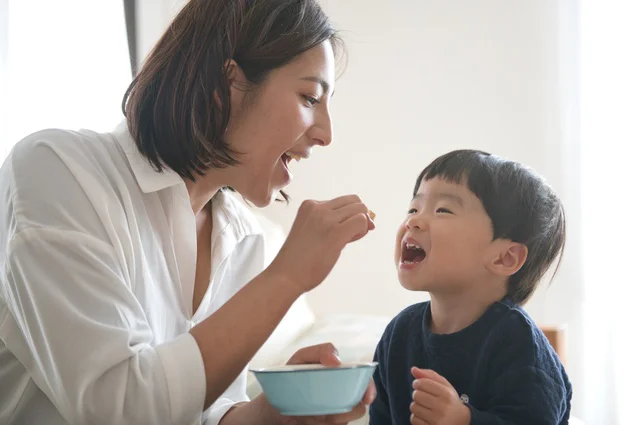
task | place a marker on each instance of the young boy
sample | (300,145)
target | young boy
(479,235)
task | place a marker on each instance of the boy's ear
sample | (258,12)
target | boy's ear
(506,257)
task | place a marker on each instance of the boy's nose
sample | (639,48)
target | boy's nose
(416,222)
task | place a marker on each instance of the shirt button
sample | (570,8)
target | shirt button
(464,398)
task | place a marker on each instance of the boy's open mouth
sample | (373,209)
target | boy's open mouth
(412,253)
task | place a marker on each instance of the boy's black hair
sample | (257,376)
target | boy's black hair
(521,205)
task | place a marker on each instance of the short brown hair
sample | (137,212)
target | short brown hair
(521,205)
(170,106)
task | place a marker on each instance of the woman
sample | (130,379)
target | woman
(135,289)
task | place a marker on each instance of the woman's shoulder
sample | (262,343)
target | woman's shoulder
(60,178)
(53,149)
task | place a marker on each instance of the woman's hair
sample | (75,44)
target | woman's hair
(178,106)
(521,205)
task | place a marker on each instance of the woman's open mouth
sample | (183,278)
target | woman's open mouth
(287,157)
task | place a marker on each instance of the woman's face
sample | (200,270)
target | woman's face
(287,115)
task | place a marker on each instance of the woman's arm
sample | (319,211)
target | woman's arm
(255,412)
(69,314)
(320,232)
(230,337)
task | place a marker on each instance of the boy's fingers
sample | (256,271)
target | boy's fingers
(429,374)
(424,399)
(420,412)
(419,373)
(430,386)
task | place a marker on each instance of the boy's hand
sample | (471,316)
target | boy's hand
(435,401)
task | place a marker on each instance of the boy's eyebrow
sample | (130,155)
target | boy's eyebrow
(442,195)
(323,84)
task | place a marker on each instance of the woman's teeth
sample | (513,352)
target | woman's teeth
(293,156)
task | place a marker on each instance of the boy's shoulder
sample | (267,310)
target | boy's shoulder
(412,315)
(517,336)
(407,321)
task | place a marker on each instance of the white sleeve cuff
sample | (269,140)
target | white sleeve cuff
(184,370)
(219,409)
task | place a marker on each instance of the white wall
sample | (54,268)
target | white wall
(153,17)
(63,64)
(426,77)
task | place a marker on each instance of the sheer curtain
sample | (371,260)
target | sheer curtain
(65,64)
(610,135)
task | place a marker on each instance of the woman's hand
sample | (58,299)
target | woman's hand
(319,233)
(327,355)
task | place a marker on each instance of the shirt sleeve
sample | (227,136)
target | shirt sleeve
(379,411)
(528,383)
(71,317)
(84,340)
(236,393)
(525,395)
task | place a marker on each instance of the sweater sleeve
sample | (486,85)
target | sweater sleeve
(527,395)
(379,411)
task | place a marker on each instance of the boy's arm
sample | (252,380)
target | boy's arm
(379,412)
(525,395)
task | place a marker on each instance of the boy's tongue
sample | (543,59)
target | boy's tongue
(413,255)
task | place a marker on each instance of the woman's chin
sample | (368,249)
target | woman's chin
(261,203)
(263,199)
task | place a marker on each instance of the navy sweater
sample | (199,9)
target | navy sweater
(502,363)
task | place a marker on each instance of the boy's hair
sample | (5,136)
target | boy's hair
(521,205)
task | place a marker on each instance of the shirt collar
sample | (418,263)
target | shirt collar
(148,178)
(236,213)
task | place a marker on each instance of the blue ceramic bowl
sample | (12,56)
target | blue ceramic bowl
(307,390)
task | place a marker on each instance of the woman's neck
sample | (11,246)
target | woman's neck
(203,189)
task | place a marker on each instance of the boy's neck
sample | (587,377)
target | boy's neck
(451,313)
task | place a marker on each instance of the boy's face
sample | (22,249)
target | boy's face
(444,243)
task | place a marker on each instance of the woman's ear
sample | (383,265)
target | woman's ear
(237,80)
(507,257)
(234,73)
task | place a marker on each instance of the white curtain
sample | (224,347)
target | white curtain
(610,137)
(64,64)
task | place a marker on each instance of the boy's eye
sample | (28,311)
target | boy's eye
(443,211)
(413,211)
(311,100)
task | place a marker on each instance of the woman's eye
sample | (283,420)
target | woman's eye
(412,211)
(311,100)
(443,211)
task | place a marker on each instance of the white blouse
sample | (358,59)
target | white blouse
(98,268)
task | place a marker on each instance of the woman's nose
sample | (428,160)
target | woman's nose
(323,134)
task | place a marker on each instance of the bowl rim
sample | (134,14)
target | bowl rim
(312,367)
